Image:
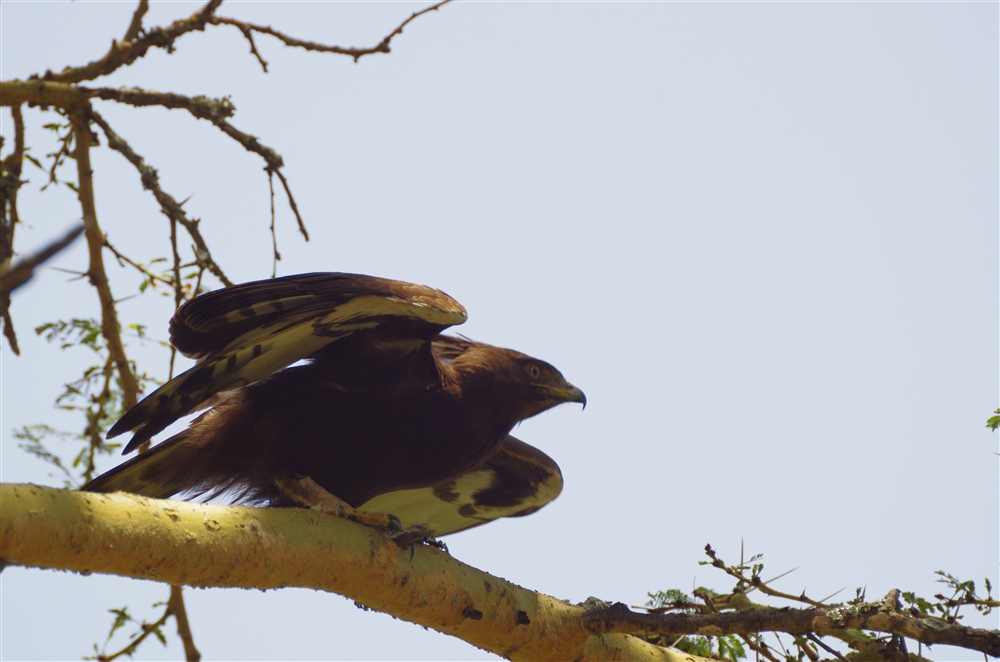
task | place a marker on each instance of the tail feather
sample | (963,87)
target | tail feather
(160,473)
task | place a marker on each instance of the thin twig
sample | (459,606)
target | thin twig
(122,258)
(291,203)
(95,439)
(178,285)
(356,53)
(179,612)
(65,148)
(274,235)
(759,647)
(135,26)
(819,642)
(168,205)
(248,33)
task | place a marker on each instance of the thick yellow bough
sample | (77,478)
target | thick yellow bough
(209,545)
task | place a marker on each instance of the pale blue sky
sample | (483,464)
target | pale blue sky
(762,237)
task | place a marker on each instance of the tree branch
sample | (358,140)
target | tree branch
(170,207)
(96,273)
(210,545)
(880,616)
(122,54)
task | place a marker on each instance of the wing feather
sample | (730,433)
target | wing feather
(211,322)
(244,334)
(515,481)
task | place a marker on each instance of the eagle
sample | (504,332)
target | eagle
(339,392)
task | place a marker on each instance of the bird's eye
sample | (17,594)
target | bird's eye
(534,371)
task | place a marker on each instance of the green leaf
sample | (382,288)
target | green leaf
(121,619)
(993,422)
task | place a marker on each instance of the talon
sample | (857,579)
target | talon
(395,526)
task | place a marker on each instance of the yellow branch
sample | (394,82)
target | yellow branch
(210,545)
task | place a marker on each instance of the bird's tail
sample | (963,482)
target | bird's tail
(159,473)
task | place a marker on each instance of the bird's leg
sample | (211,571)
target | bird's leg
(307,492)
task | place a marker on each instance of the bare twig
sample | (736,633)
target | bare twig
(291,203)
(356,53)
(274,234)
(175,606)
(168,205)
(58,158)
(248,33)
(178,285)
(135,26)
(93,432)
(96,273)
(759,647)
(124,259)
(819,642)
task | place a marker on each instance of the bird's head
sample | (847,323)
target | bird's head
(523,385)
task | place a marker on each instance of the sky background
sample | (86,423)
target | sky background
(762,237)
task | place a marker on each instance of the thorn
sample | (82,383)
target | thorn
(823,601)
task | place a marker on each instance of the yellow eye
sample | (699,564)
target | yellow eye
(534,372)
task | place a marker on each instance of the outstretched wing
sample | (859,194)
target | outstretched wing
(515,481)
(243,334)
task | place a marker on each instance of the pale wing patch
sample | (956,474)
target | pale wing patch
(453,506)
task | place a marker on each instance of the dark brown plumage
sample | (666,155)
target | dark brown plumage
(387,415)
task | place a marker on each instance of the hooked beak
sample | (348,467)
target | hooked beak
(573,394)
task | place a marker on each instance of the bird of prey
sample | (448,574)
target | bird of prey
(381,419)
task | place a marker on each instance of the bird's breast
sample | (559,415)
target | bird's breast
(360,445)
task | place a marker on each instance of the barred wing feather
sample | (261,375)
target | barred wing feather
(244,334)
